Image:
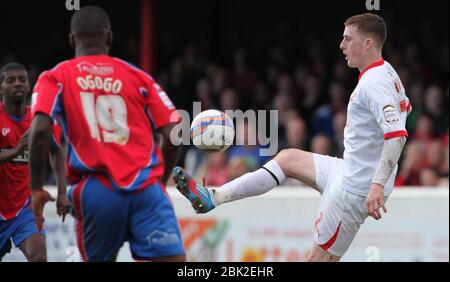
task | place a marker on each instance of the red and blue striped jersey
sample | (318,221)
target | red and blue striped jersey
(14,175)
(109,111)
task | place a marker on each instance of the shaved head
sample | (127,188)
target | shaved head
(90,20)
(90,31)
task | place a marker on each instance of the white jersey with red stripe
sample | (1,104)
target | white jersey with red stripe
(377,111)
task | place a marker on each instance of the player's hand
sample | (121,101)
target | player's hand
(375,201)
(38,200)
(22,145)
(63,205)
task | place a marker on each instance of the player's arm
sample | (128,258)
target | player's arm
(169,151)
(165,117)
(380,100)
(58,165)
(45,107)
(390,155)
(8,155)
(40,131)
(39,148)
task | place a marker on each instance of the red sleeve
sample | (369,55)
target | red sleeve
(46,95)
(160,106)
(46,100)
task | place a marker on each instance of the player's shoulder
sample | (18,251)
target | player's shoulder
(62,66)
(133,68)
(382,74)
(376,84)
(55,71)
(373,77)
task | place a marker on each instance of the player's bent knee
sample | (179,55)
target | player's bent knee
(287,157)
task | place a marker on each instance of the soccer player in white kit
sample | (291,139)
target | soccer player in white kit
(354,187)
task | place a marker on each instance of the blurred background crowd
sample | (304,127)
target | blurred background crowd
(274,56)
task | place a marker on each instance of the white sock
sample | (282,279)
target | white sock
(250,184)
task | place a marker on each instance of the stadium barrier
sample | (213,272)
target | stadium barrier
(279,225)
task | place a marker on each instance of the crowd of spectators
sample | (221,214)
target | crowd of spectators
(302,74)
(310,92)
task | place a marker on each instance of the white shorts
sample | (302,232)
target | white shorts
(341,212)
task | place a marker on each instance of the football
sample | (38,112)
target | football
(212,131)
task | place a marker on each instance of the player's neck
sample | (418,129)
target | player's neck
(369,61)
(90,51)
(15,109)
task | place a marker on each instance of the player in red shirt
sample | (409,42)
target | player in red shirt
(110,113)
(16,218)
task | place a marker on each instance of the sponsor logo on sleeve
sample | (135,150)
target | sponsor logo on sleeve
(390,114)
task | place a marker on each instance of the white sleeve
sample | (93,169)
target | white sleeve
(380,99)
(390,155)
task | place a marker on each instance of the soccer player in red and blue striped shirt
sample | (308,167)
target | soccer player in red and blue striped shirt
(16,218)
(111,113)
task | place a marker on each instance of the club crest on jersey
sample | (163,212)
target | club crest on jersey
(390,114)
(95,69)
(5,131)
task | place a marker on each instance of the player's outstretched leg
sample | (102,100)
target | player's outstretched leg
(293,163)
(198,195)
